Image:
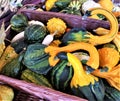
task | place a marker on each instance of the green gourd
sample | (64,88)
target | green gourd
(19,22)
(75,35)
(33,77)
(61,75)
(35,33)
(36,59)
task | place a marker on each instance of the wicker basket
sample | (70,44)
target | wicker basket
(31,92)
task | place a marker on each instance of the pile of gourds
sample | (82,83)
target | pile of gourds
(73,60)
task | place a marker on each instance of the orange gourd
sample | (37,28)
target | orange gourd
(109,57)
(112,76)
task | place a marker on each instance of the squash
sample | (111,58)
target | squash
(75,35)
(13,68)
(61,75)
(73,7)
(7,56)
(111,93)
(2,39)
(97,40)
(18,22)
(106,4)
(62,3)
(93,61)
(109,57)
(35,33)
(49,4)
(36,59)
(6,93)
(56,25)
(112,76)
(103,31)
(39,79)
(83,84)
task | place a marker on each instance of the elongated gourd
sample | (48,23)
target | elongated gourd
(7,56)
(93,61)
(112,76)
(82,82)
(97,40)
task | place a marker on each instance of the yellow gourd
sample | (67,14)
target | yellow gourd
(97,40)
(6,93)
(93,61)
(109,57)
(106,4)
(103,31)
(56,25)
(80,78)
(49,4)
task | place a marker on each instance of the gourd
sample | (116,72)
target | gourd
(8,54)
(2,39)
(62,3)
(6,93)
(83,84)
(103,31)
(61,75)
(97,40)
(112,76)
(33,77)
(18,22)
(35,33)
(49,4)
(109,57)
(75,35)
(73,7)
(93,61)
(109,5)
(13,68)
(36,59)
(57,26)
(111,93)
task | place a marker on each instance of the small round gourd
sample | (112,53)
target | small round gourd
(35,33)
(19,22)
(56,25)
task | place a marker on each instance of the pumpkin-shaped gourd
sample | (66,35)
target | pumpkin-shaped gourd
(19,22)
(36,59)
(56,26)
(35,33)
(109,57)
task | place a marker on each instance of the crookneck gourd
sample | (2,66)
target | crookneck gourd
(83,84)
(93,61)
(112,76)
(97,40)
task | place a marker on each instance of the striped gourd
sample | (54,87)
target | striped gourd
(61,75)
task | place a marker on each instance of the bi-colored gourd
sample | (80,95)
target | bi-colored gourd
(61,75)
(111,76)
(93,61)
(82,82)
(97,40)
(49,4)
